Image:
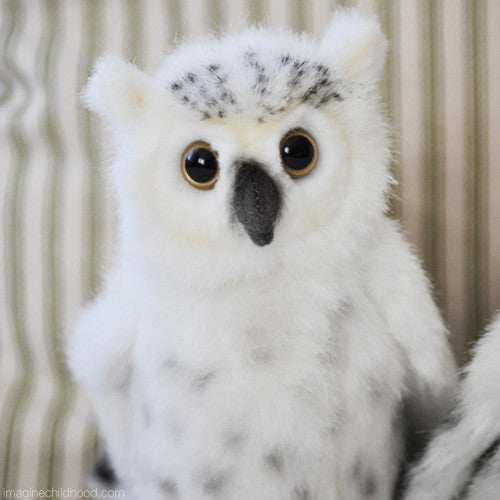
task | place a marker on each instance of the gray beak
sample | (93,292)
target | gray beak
(256,201)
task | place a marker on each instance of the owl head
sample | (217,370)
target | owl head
(251,152)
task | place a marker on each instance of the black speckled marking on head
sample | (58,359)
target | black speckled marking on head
(214,484)
(168,487)
(275,460)
(261,78)
(273,85)
(103,471)
(202,381)
(297,71)
(321,70)
(301,493)
(285,59)
(319,88)
(213,68)
(205,90)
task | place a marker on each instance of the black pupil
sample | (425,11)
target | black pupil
(297,152)
(201,165)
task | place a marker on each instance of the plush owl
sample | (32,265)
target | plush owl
(266,332)
(463,458)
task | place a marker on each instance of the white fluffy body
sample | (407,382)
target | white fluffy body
(463,459)
(219,368)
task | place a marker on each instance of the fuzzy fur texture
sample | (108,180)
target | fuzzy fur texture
(220,368)
(463,459)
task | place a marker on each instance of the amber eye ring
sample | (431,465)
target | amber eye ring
(299,153)
(199,165)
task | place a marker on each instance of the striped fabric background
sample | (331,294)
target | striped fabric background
(442,88)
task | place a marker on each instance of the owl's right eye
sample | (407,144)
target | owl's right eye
(200,166)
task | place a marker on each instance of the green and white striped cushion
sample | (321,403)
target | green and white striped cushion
(442,88)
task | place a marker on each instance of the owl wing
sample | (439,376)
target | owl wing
(401,290)
(463,458)
(98,355)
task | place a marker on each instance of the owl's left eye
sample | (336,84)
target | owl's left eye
(299,153)
(200,166)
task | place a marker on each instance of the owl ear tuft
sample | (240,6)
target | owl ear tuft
(119,92)
(355,43)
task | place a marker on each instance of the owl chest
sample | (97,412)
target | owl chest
(243,356)
(241,396)
(252,346)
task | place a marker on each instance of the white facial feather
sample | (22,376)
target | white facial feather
(258,339)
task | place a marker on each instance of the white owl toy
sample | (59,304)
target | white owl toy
(463,458)
(267,332)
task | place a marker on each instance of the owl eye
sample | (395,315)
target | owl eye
(299,153)
(199,165)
